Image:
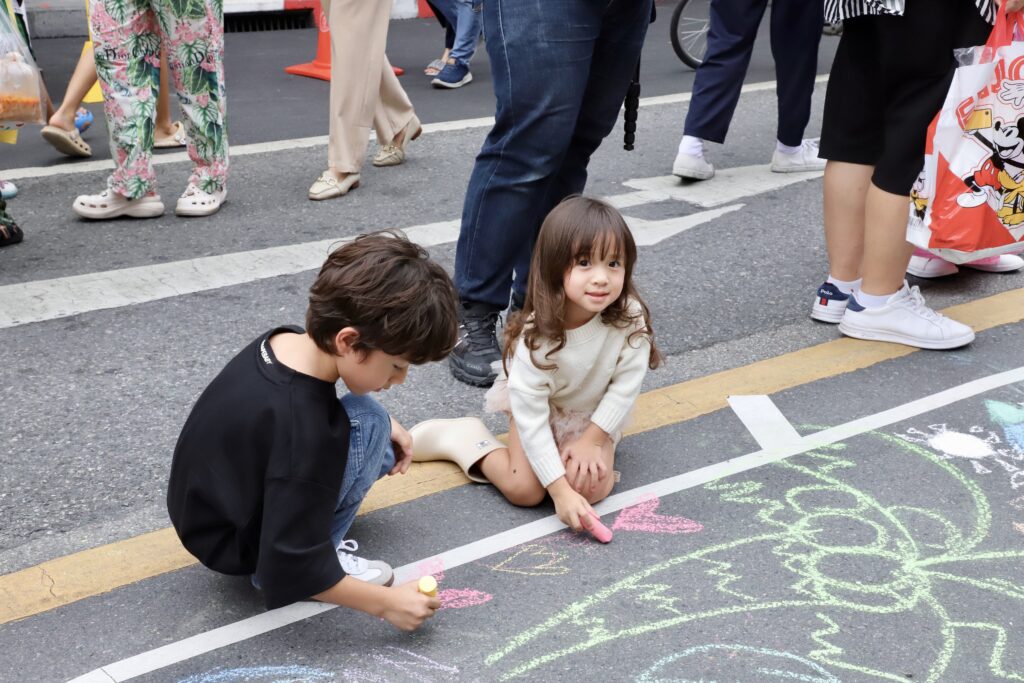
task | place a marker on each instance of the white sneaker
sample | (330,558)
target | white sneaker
(1006,263)
(930,266)
(804,159)
(196,202)
(110,204)
(904,319)
(371,571)
(692,167)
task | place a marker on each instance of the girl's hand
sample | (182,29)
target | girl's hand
(406,608)
(569,505)
(585,465)
(402,441)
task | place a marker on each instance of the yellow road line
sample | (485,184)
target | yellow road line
(99,570)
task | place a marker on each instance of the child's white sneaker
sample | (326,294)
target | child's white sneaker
(371,571)
(904,319)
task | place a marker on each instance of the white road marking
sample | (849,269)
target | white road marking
(188,648)
(728,185)
(764,421)
(41,300)
(74,167)
(648,233)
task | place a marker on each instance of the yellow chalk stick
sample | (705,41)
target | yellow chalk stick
(428,586)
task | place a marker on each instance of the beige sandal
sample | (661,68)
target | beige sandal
(175,139)
(464,441)
(67,141)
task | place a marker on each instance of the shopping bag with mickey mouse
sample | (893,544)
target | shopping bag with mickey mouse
(968,202)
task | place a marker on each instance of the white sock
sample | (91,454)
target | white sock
(786,149)
(872,300)
(692,146)
(844,286)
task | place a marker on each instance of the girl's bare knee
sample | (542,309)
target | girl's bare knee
(525,494)
(602,490)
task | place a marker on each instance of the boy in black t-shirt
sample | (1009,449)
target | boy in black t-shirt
(271,467)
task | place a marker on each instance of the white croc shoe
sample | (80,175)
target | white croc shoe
(904,319)
(196,202)
(110,204)
(464,441)
(371,571)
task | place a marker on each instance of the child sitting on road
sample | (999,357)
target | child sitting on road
(271,467)
(573,363)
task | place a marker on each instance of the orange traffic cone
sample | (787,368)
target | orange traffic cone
(320,67)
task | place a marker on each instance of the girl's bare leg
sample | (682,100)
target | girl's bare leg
(510,471)
(846,191)
(78,87)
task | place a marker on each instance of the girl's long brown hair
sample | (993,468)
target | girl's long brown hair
(579,227)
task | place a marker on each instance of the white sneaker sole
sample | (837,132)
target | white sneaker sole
(147,207)
(796,169)
(692,173)
(438,83)
(868,334)
(826,314)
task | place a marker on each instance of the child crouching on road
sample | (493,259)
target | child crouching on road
(573,363)
(271,467)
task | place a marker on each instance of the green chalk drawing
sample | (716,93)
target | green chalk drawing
(898,574)
(753,660)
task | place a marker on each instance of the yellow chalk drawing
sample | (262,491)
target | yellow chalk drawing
(843,554)
(533,559)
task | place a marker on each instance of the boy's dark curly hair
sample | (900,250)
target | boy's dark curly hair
(389,290)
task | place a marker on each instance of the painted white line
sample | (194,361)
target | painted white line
(764,421)
(648,233)
(728,185)
(48,299)
(180,651)
(42,300)
(69,168)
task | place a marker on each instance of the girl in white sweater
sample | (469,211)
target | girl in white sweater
(574,360)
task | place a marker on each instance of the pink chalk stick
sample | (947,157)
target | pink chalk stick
(599,530)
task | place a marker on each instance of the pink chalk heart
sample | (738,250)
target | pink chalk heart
(457,598)
(642,517)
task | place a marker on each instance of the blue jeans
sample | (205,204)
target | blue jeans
(561,69)
(465,17)
(370,457)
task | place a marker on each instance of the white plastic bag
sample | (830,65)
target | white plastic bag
(968,202)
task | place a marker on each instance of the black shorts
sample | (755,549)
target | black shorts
(889,80)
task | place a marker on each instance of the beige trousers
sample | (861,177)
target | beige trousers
(365,92)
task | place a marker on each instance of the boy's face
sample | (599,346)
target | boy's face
(364,372)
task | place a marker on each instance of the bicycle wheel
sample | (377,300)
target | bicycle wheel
(689,27)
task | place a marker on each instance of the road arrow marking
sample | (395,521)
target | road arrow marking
(728,185)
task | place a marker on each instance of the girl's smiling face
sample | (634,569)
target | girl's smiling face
(592,284)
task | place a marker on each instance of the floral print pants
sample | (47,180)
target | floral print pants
(127,35)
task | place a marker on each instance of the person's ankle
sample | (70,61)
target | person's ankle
(62,119)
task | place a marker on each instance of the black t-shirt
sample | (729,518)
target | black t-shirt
(257,472)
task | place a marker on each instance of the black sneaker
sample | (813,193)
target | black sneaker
(478,347)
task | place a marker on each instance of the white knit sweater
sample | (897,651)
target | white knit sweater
(599,370)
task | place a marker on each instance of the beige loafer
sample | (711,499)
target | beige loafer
(328,187)
(392,154)
(464,441)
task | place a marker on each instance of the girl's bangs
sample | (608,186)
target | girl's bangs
(599,244)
